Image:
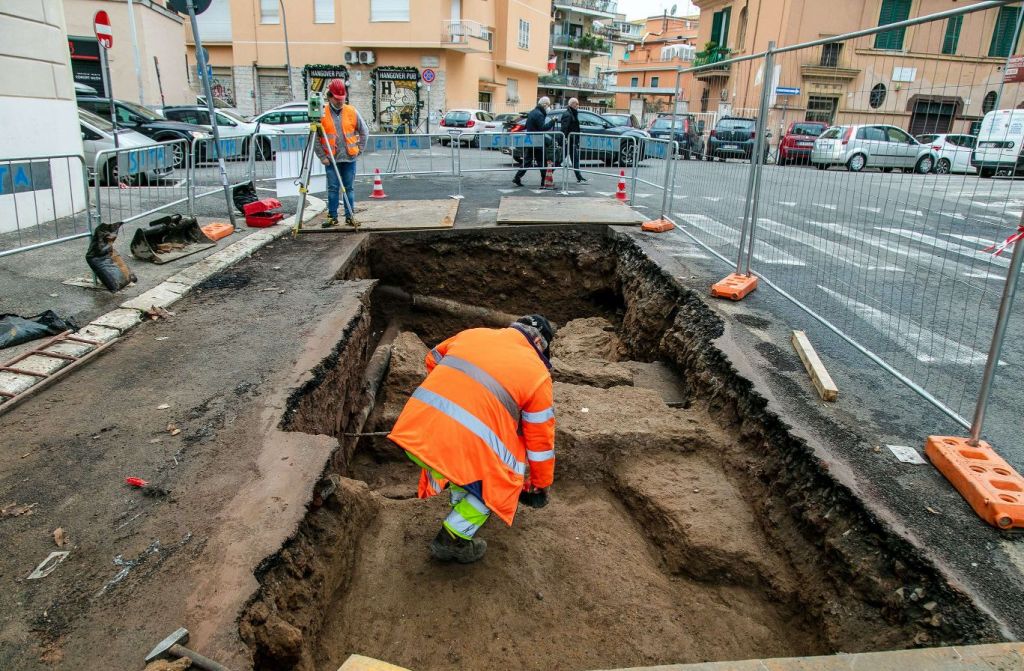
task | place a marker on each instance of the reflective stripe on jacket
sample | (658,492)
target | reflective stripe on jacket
(349,129)
(484,413)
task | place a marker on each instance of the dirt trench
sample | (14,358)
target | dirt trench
(686,524)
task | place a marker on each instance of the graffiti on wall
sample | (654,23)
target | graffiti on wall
(396,97)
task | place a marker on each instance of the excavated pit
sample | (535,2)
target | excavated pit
(686,523)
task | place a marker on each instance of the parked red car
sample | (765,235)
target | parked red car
(797,142)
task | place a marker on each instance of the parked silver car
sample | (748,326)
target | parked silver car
(98,135)
(879,146)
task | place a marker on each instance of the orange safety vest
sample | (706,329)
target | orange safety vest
(483,413)
(349,130)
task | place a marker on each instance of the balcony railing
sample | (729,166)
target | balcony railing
(573,82)
(711,56)
(461,32)
(830,63)
(591,43)
(603,6)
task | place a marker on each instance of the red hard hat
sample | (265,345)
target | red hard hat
(336,88)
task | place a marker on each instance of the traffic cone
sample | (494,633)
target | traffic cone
(621,193)
(549,177)
(378,187)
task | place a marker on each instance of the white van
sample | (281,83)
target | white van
(1000,143)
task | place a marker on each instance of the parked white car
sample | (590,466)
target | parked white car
(98,135)
(953,152)
(879,146)
(1000,143)
(230,125)
(290,119)
(472,123)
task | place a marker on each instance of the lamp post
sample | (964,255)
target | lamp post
(287,50)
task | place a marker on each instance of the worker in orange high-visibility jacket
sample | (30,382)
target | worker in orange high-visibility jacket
(345,136)
(483,425)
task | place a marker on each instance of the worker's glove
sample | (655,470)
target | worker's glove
(533,497)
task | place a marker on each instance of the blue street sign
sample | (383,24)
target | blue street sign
(787,90)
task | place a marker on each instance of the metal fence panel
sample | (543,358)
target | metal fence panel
(134,182)
(205,178)
(43,201)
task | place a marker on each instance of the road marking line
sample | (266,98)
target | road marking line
(830,248)
(872,210)
(787,203)
(946,246)
(763,252)
(827,207)
(916,213)
(926,346)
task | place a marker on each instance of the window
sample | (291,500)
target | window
(720,27)
(634,81)
(654,81)
(1002,34)
(511,90)
(877,96)
(592,120)
(489,36)
(830,55)
(893,11)
(323,11)
(899,135)
(269,11)
(821,108)
(389,10)
(872,134)
(215,22)
(949,42)
(741,32)
(524,34)
(988,103)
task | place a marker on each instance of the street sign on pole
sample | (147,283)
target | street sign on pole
(787,90)
(428,75)
(1014,73)
(101,26)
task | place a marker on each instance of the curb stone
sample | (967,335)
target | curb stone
(114,324)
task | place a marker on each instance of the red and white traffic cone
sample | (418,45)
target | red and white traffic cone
(621,193)
(378,186)
(549,177)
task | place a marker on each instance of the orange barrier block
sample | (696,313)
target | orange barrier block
(218,230)
(657,226)
(734,287)
(990,485)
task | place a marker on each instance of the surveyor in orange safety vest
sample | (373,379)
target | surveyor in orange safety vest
(345,135)
(482,425)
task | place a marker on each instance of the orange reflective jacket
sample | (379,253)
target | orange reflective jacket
(483,413)
(349,129)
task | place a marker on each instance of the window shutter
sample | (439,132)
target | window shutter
(323,11)
(716,27)
(389,10)
(215,22)
(726,16)
(893,11)
(1002,35)
(269,11)
(952,38)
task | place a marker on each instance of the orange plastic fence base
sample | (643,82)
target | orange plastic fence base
(657,226)
(218,230)
(990,485)
(734,287)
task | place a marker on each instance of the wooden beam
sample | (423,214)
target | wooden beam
(819,374)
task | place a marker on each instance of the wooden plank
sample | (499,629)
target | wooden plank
(819,374)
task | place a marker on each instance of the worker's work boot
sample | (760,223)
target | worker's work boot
(330,222)
(351,221)
(446,547)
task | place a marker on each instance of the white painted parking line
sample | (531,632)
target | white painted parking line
(826,206)
(787,203)
(872,210)
(833,249)
(926,346)
(946,246)
(954,215)
(916,213)
(763,252)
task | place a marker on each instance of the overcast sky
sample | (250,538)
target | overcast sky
(641,9)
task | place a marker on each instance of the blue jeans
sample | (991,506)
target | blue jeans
(348,176)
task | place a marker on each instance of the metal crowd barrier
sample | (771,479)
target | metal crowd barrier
(43,201)
(204,172)
(134,182)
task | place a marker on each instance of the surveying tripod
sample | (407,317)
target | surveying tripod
(316,133)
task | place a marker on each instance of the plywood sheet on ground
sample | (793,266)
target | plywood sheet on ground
(395,215)
(542,210)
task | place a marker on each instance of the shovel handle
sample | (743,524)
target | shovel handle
(199,660)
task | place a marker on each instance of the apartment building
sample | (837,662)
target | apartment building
(646,75)
(161,62)
(935,77)
(482,53)
(588,38)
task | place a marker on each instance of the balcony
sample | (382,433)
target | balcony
(602,8)
(583,43)
(830,65)
(572,83)
(622,32)
(466,36)
(709,57)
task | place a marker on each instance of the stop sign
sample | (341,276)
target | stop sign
(101,26)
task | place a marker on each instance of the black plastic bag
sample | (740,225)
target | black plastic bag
(104,260)
(15,330)
(243,194)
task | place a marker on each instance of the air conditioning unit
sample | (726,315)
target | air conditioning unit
(351,57)
(367,58)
